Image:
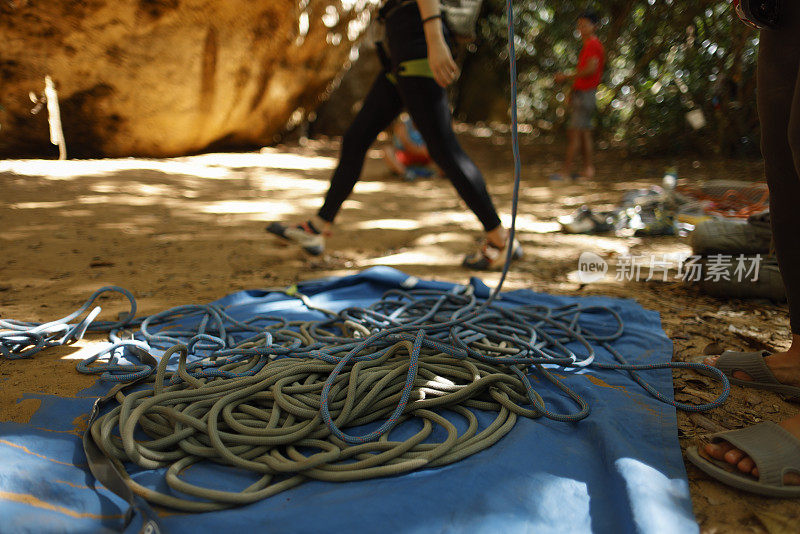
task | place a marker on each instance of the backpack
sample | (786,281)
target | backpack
(462,16)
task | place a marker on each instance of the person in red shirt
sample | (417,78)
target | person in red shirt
(583,99)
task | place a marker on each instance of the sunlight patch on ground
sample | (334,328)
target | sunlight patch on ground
(42,205)
(370,187)
(211,166)
(90,348)
(283,181)
(73,169)
(129,200)
(267,158)
(527,223)
(349,204)
(77,213)
(463,219)
(537,193)
(443,237)
(388,224)
(265,209)
(427,256)
(134,188)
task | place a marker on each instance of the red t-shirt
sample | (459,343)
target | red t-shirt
(591,48)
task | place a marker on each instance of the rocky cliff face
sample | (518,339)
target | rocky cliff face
(168,77)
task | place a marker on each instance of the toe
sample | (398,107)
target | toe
(734,456)
(711,360)
(718,450)
(746,465)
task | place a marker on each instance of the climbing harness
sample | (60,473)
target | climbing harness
(293,401)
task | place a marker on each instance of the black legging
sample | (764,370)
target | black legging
(779,113)
(428,106)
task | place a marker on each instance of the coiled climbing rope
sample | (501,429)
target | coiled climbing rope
(273,396)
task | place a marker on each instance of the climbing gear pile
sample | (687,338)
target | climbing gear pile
(277,397)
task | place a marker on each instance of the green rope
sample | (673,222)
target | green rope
(270,423)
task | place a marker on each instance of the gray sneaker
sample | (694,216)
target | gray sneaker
(722,236)
(303,234)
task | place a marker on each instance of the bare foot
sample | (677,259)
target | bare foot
(724,451)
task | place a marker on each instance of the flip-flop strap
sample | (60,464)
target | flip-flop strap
(751,363)
(773,449)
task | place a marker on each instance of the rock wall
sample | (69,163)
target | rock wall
(169,77)
(339,109)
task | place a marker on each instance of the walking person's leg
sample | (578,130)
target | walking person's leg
(428,106)
(381,106)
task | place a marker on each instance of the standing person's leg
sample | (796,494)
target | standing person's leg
(573,143)
(588,154)
(583,107)
(428,106)
(779,114)
(381,106)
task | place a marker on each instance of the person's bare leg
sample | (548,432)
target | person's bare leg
(786,368)
(573,139)
(587,145)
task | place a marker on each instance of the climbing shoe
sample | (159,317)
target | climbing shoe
(585,221)
(304,234)
(490,258)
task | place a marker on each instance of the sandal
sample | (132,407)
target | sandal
(754,365)
(773,449)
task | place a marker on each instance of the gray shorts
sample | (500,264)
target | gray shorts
(584,104)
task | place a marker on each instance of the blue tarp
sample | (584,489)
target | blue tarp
(619,470)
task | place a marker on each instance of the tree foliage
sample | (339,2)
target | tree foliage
(665,58)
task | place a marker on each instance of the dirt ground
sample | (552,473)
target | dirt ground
(191,230)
